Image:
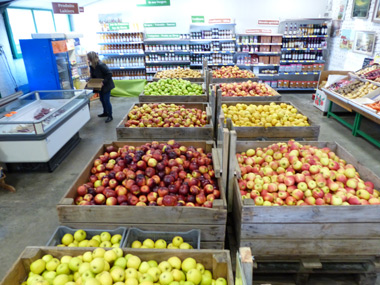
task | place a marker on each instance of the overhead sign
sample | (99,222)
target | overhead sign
(163,36)
(258,31)
(149,3)
(159,25)
(197,19)
(118,26)
(65,8)
(269,22)
(81,9)
(220,21)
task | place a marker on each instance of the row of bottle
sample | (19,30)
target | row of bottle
(302,55)
(124,61)
(167,57)
(291,29)
(266,48)
(304,43)
(155,68)
(214,46)
(121,37)
(212,58)
(166,47)
(214,33)
(132,48)
(250,59)
(128,75)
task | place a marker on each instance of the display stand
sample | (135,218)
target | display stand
(3,185)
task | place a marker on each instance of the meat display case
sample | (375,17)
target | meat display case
(41,127)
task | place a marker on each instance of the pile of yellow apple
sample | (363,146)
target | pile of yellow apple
(102,267)
(272,115)
(79,240)
(177,243)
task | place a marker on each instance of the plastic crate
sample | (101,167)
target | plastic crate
(193,237)
(62,230)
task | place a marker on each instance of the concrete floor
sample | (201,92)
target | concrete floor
(29,217)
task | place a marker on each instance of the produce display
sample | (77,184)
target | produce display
(153,174)
(42,113)
(162,115)
(375,106)
(232,72)
(371,73)
(295,174)
(245,89)
(101,267)
(272,115)
(173,87)
(356,89)
(176,243)
(179,73)
(79,239)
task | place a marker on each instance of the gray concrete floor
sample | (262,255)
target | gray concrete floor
(29,217)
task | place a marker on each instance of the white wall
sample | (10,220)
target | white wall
(342,59)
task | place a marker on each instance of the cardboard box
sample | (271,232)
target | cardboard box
(95,84)
(264,48)
(264,59)
(275,48)
(274,60)
(265,39)
(276,39)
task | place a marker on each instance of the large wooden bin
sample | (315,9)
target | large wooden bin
(211,221)
(201,133)
(217,261)
(305,230)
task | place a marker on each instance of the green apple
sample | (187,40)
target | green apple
(34,278)
(38,266)
(185,245)
(80,235)
(131,273)
(118,274)
(106,243)
(97,237)
(201,268)
(206,280)
(119,251)
(136,244)
(71,283)
(66,259)
(49,275)
(119,283)
(63,268)
(116,238)
(146,283)
(188,263)
(155,272)
(131,281)
(194,275)
(41,282)
(175,262)
(144,266)
(105,278)
(105,236)
(133,262)
(177,240)
(110,256)
(93,243)
(52,264)
(208,273)
(145,278)
(221,281)
(84,267)
(83,243)
(188,283)
(87,256)
(87,274)
(76,276)
(171,246)
(47,257)
(67,239)
(166,278)
(174,283)
(74,264)
(61,279)
(72,245)
(98,252)
(120,262)
(127,256)
(116,245)
(178,275)
(165,266)
(153,263)
(160,243)
(97,265)
(92,281)
(148,243)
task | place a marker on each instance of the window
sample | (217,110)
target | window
(33,21)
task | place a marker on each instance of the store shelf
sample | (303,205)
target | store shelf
(212,40)
(168,51)
(259,44)
(302,61)
(127,67)
(295,89)
(221,64)
(200,25)
(119,32)
(300,73)
(121,43)
(122,54)
(211,52)
(167,62)
(173,40)
(304,49)
(259,65)
(259,52)
(309,36)
(267,75)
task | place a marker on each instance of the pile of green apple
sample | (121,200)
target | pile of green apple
(289,174)
(177,243)
(161,115)
(173,87)
(102,267)
(79,240)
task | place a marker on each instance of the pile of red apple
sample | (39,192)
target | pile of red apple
(245,89)
(294,174)
(160,115)
(153,174)
(232,72)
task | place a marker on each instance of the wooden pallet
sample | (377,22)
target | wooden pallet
(211,221)
(303,270)
(191,133)
(217,261)
(309,230)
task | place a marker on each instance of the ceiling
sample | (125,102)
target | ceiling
(44,4)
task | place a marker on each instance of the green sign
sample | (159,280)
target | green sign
(149,3)
(197,19)
(163,36)
(118,26)
(159,25)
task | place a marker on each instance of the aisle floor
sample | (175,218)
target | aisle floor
(29,216)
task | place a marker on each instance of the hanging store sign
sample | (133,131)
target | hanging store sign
(163,36)
(220,21)
(258,31)
(160,25)
(269,22)
(118,26)
(81,9)
(197,19)
(150,3)
(65,8)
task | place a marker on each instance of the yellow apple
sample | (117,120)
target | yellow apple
(116,238)
(93,243)
(63,268)
(177,240)
(99,252)
(160,243)
(144,266)
(119,251)
(133,262)
(74,264)
(105,236)
(117,274)
(148,243)
(87,256)
(52,264)
(136,244)
(67,239)
(131,281)
(47,257)
(155,272)
(106,243)
(80,235)
(194,275)
(66,259)
(131,273)
(166,278)
(97,265)
(61,279)
(110,256)
(185,245)
(175,262)
(38,266)
(188,263)
(165,266)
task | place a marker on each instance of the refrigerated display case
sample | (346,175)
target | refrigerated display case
(36,126)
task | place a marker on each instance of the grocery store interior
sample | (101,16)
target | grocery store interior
(249,129)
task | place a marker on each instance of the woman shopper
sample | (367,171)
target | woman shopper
(98,69)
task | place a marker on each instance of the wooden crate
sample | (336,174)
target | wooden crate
(211,221)
(303,269)
(217,261)
(308,230)
(310,133)
(232,80)
(196,134)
